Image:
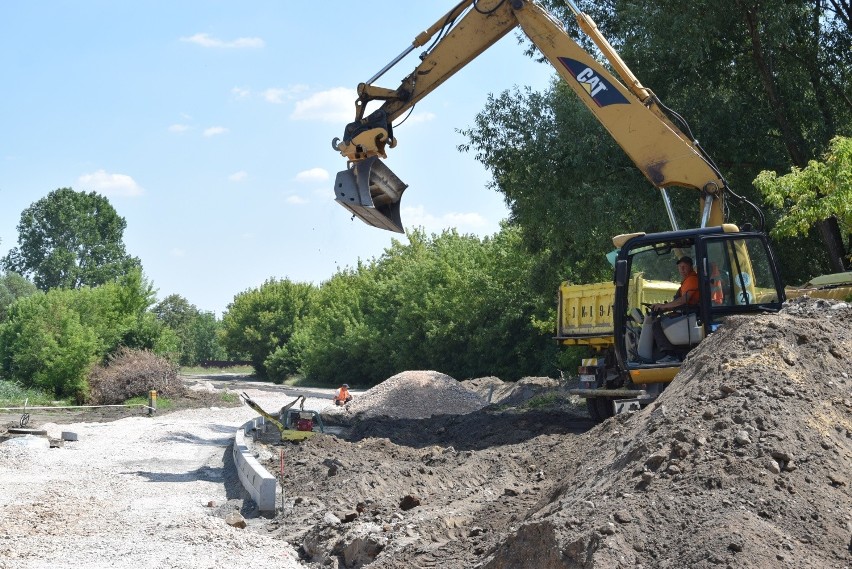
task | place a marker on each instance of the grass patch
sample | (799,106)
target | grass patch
(545,400)
(229,397)
(163,403)
(12,394)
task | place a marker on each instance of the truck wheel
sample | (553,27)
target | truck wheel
(604,407)
(592,408)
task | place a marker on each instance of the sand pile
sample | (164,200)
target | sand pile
(412,395)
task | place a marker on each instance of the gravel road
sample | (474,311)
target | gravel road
(135,493)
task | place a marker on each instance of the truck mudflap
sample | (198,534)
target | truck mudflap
(372,193)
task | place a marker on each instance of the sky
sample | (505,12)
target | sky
(208,126)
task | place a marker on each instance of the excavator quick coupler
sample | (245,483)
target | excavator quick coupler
(371,192)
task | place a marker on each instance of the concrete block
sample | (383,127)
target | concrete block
(257,481)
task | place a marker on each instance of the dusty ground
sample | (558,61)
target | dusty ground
(745,461)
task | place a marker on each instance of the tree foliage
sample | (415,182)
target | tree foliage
(260,321)
(761,83)
(52,340)
(808,195)
(70,239)
(448,302)
(196,330)
(12,287)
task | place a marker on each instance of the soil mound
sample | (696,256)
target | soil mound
(411,395)
(744,461)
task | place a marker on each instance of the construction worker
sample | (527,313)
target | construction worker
(343,396)
(687,297)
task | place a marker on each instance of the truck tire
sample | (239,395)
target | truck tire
(605,407)
(592,408)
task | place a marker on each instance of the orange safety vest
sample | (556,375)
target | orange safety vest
(689,287)
(717,296)
(342,394)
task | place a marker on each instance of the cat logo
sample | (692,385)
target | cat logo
(601,91)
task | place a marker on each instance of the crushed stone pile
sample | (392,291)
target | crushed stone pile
(744,461)
(412,395)
(495,391)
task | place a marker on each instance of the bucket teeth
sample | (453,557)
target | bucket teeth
(372,193)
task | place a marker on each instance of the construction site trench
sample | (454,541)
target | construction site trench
(745,460)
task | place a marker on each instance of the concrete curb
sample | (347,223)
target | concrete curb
(257,481)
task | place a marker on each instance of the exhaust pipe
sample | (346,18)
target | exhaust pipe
(371,192)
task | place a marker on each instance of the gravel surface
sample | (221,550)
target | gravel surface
(416,394)
(134,493)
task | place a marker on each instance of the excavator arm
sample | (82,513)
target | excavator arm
(630,113)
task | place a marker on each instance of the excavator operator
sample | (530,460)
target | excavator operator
(686,296)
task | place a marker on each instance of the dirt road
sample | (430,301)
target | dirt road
(133,492)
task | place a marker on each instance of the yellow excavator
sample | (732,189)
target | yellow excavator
(630,112)
(736,269)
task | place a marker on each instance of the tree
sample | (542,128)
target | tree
(571,188)
(12,287)
(44,344)
(806,196)
(195,330)
(448,302)
(70,239)
(259,321)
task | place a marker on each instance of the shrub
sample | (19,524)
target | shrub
(44,345)
(132,373)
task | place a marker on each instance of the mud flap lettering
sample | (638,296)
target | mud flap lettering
(627,406)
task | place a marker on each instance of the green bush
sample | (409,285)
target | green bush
(43,344)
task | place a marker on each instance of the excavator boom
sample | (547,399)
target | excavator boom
(627,110)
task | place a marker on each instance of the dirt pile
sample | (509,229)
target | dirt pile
(744,461)
(410,395)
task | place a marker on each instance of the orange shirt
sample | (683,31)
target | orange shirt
(689,287)
(342,394)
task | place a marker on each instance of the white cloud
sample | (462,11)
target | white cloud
(214,130)
(238,176)
(177,252)
(335,105)
(178,128)
(463,222)
(115,185)
(278,95)
(206,40)
(312,175)
(296,200)
(240,92)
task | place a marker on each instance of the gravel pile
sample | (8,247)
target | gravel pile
(413,395)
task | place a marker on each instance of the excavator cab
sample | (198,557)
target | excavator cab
(736,275)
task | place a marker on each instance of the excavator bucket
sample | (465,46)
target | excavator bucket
(371,192)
